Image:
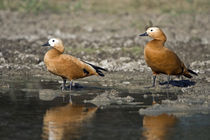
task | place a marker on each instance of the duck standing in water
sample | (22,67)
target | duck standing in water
(161,59)
(67,66)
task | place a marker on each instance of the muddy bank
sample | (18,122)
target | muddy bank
(110,41)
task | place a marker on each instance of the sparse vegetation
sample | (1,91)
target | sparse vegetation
(39,6)
(134,50)
(107,6)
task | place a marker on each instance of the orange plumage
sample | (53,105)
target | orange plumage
(161,59)
(67,66)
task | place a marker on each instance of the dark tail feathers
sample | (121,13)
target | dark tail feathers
(190,71)
(98,69)
(186,74)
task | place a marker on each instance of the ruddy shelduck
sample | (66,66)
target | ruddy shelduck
(161,59)
(67,66)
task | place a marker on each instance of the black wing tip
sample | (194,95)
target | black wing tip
(188,75)
(190,71)
(100,74)
(102,69)
(96,67)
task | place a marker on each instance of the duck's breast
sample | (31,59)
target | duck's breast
(162,60)
(51,65)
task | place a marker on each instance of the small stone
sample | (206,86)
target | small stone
(145,96)
(126,82)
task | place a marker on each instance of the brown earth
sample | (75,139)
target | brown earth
(108,40)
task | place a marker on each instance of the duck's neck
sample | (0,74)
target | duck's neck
(156,43)
(159,41)
(161,38)
(59,48)
(53,53)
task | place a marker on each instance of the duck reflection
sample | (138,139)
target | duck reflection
(158,127)
(66,122)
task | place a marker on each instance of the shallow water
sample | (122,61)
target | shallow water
(36,109)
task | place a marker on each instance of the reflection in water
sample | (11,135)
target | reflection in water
(158,127)
(49,94)
(66,122)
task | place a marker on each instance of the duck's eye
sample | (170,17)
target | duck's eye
(53,40)
(151,30)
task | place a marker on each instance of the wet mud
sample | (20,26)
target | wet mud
(99,110)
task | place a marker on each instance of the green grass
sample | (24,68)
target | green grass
(40,6)
(80,49)
(135,50)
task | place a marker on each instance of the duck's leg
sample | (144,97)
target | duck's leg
(70,87)
(153,100)
(182,78)
(63,86)
(169,78)
(154,79)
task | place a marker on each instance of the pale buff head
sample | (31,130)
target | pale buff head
(55,43)
(155,33)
